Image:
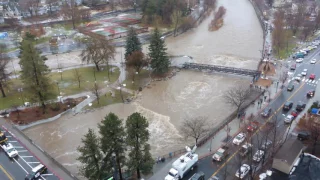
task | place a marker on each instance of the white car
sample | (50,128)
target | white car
(313,61)
(304,72)
(239,138)
(298,77)
(299,60)
(243,171)
(9,149)
(258,156)
(289,118)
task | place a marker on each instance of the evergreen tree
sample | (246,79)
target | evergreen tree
(140,159)
(157,51)
(34,71)
(132,43)
(113,141)
(91,157)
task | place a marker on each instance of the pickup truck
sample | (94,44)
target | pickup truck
(221,154)
(245,149)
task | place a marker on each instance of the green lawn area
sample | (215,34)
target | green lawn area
(288,46)
(107,99)
(67,86)
(140,80)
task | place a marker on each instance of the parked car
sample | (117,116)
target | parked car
(9,150)
(258,155)
(304,72)
(266,144)
(299,60)
(295,113)
(198,176)
(288,119)
(266,112)
(293,67)
(221,154)
(287,106)
(290,87)
(303,135)
(313,61)
(36,172)
(298,55)
(312,76)
(300,106)
(310,93)
(253,126)
(239,138)
(243,171)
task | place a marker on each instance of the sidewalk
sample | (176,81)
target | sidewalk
(161,169)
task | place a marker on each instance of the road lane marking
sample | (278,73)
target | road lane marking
(12,141)
(18,147)
(47,175)
(260,128)
(22,151)
(6,173)
(32,162)
(26,156)
(20,165)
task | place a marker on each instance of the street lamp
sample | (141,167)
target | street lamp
(59,97)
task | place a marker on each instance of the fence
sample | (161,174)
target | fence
(215,130)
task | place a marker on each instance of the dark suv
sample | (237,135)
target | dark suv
(288,105)
(300,106)
(36,172)
(303,136)
(311,93)
(198,176)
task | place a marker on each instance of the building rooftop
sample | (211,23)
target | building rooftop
(307,169)
(289,151)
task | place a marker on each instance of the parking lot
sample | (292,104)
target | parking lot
(21,165)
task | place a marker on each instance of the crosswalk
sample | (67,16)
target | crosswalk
(308,81)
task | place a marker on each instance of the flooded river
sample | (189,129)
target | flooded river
(167,103)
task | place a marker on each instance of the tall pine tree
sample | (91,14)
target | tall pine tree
(113,141)
(140,159)
(91,157)
(157,51)
(132,43)
(34,71)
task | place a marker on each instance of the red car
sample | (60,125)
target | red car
(294,113)
(253,126)
(312,76)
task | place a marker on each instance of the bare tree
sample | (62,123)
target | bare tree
(312,125)
(135,62)
(96,92)
(306,31)
(4,75)
(296,18)
(237,97)
(77,76)
(51,3)
(196,127)
(176,18)
(70,11)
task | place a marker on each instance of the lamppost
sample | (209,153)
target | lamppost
(59,93)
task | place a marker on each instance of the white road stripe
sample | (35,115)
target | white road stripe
(33,162)
(316,82)
(12,141)
(26,156)
(303,80)
(47,174)
(313,81)
(18,147)
(9,136)
(22,151)
(20,165)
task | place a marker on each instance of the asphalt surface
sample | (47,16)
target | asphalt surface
(228,168)
(21,165)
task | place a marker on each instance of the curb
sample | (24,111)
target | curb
(30,150)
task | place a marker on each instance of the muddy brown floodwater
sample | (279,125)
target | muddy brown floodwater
(167,103)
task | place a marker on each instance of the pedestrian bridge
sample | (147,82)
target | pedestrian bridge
(223,69)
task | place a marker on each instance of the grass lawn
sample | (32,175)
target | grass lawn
(107,99)
(67,86)
(287,49)
(140,80)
